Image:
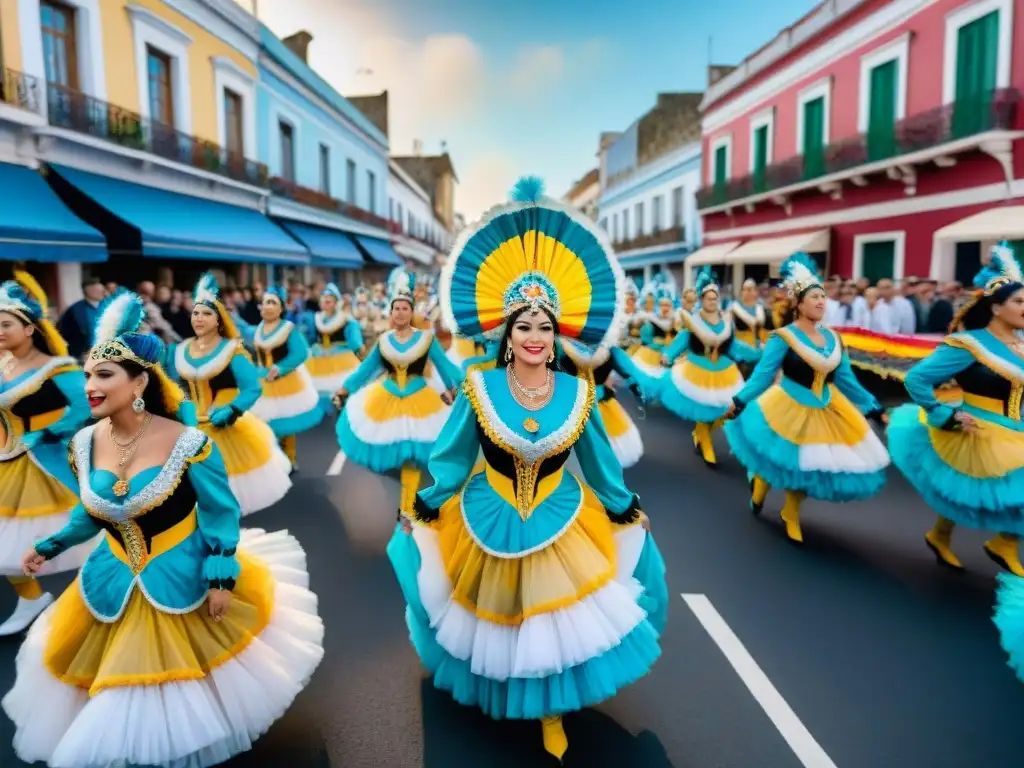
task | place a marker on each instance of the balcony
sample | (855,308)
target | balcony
(20,90)
(916,139)
(316,199)
(670,236)
(84,114)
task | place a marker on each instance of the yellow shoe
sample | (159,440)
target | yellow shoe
(1003,550)
(555,741)
(939,544)
(791,517)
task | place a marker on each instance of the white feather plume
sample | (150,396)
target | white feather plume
(1006,263)
(207,291)
(110,324)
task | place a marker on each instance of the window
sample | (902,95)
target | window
(234,131)
(721,159)
(287,150)
(401,217)
(976,65)
(625,225)
(59,52)
(604,224)
(883,96)
(656,205)
(762,129)
(325,169)
(813,127)
(350,181)
(879,256)
(977,52)
(677,207)
(161,93)
(639,219)
(371,187)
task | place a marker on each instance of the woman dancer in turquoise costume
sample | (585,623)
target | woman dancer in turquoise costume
(338,340)
(804,433)
(701,386)
(531,593)
(42,404)
(392,422)
(183,638)
(290,403)
(967,460)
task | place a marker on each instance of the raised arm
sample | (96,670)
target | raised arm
(454,455)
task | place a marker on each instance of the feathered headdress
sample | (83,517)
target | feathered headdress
(534,253)
(400,285)
(331,290)
(25,298)
(1003,267)
(207,293)
(706,281)
(277,292)
(996,281)
(799,273)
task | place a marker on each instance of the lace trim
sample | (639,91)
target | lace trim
(398,357)
(188,371)
(34,381)
(153,494)
(812,356)
(277,337)
(751,321)
(989,359)
(329,326)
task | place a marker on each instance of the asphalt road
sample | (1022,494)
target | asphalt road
(862,652)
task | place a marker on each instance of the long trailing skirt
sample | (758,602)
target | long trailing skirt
(177,690)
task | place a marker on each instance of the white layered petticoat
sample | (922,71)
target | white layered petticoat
(307,399)
(19,534)
(265,486)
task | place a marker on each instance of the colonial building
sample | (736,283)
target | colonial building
(328,164)
(648,176)
(884,136)
(585,193)
(422,239)
(143,122)
(436,175)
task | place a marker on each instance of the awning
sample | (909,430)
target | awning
(637,261)
(423,255)
(710,254)
(164,224)
(379,250)
(330,248)
(1005,223)
(36,226)
(772,250)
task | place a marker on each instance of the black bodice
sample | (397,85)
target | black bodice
(504,462)
(222,381)
(696,345)
(171,511)
(415,368)
(799,370)
(979,379)
(47,399)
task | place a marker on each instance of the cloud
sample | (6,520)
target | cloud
(536,68)
(484,181)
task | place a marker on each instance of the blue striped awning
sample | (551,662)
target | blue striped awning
(329,247)
(379,250)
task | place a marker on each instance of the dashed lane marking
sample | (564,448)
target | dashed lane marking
(335,469)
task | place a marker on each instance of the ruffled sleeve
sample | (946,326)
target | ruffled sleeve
(218,516)
(452,460)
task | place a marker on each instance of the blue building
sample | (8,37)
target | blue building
(328,165)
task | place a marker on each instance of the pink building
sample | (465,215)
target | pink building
(884,136)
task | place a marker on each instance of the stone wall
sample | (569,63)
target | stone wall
(673,122)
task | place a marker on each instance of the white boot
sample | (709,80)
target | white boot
(24,614)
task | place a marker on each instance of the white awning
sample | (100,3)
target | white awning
(709,254)
(418,253)
(772,250)
(1006,223)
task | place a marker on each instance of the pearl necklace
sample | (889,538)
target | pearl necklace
(530,398)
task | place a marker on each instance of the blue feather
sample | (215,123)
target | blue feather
(528,189)
(120,313)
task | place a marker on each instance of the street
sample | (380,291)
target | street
(853,651)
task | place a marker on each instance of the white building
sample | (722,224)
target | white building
(585,193)
(423,239)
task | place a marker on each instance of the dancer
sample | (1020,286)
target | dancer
(290,403)
(967,460)
(42,404)
(183,638)
(338,340)
(689,304)
(701,386)
(748,316)
(392,422)
(804,433)
(530,592)
(657,334)
(635,320)
(223,385)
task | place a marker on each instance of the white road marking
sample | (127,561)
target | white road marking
(779,712)
(335,469)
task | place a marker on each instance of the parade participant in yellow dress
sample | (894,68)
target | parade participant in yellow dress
(223,385)
(339,339)
(657,334)
(967,459)
(804,433)
(748,316)
(183,638)
(701,386)
(42,404)
(531,593)
(290,403)
(391,422)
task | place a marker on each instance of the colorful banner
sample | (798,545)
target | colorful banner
(887,355)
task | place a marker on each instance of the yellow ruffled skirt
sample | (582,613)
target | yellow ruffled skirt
(648,360)
(622,432)
(329,372)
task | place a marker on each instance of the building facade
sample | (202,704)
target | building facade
(422,239)
(884,136)
(328,165)
(585,193)
(649,176)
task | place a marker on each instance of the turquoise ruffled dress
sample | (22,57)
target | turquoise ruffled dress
(807,431)
(290,403)
(1009,619)
(394,419)
(976,480)
(530,592)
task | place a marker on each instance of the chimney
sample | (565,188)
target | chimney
(299,44)
(717,71)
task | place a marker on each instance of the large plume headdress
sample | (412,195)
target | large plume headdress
(24,298)
(996,282)
(534,253)
(799,274)
(207,293)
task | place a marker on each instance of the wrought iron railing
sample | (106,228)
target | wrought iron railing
(317,199)
(20,90)
(995,110)
(85,114)
(669,236)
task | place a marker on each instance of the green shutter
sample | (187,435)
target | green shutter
(976,65)
(721,171)
(814,138)
(882,110)
(760,157)
(878,260)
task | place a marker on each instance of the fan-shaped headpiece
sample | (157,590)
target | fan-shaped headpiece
(401,285)
(533,253)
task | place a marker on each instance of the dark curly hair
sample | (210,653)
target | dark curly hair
(506,339)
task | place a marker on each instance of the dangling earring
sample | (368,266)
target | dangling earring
(508,353)
(551,357)
(138,404)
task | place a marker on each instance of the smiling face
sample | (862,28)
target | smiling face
(328,304)
(812,305)
(401,313)
(270,308)
(204,320)
(689,300)
(110,388)
(532,337)
(13,332)
(1010,311)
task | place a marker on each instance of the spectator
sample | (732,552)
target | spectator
(155,320)
(901,311)
(880,315)
(942,308)
(76,324)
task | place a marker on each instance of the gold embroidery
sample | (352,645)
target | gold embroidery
(1013,403)
(818,385)
(134,544)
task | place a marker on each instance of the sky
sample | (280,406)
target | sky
(523,87)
